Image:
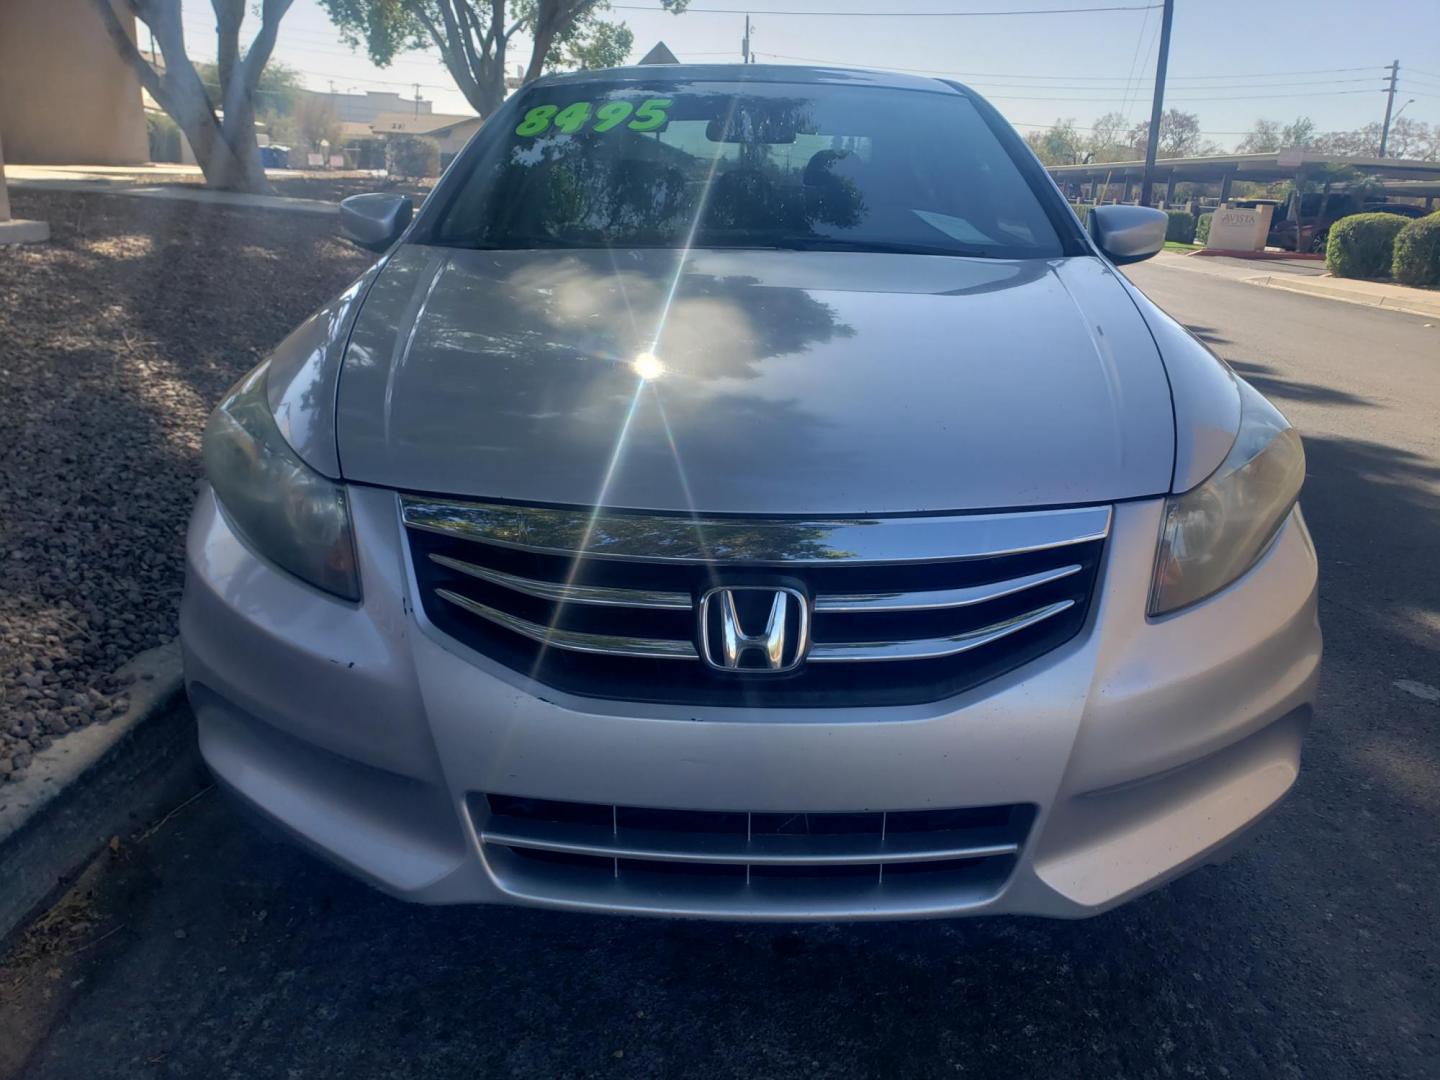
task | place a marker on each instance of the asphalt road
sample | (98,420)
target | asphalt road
(207,950)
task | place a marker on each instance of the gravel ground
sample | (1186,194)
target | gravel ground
(116,339)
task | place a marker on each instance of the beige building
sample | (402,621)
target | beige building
(66,97)
(448,131)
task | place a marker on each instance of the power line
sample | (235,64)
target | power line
(1127,80)
(1017,97)
(1265,97)
(902,14)
(1134,59)
(1268,74)
(1226,86)
(1182,101)
(1083,127)
(1140,81)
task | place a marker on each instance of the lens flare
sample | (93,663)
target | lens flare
(648,366)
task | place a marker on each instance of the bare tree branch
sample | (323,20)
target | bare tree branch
(258,55)
(460,39)
(148,76)
(456,61)
(229,14)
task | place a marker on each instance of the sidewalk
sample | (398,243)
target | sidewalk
(1371,293)
(141,181)
(1312,279)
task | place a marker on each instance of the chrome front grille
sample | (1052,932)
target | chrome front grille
(713,861)
(891,610)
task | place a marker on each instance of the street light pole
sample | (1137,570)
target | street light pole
(1389,104)
(1158,105)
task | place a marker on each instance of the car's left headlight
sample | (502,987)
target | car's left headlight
(287,511)
(1218,529)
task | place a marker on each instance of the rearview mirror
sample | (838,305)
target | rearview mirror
(375,221)
(1127,234)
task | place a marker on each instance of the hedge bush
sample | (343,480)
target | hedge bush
(1202,229)
(1363,245)
(1417,252)
(1181,226)
(163,135)
(411,157)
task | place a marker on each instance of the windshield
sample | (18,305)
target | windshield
(586,164)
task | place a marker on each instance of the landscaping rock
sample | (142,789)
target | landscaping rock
(116,339)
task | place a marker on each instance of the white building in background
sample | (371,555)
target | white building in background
(367,107)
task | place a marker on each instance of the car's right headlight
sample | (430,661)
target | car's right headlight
(1218,529)
(287,511)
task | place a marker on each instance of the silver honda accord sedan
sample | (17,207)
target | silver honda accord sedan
(751,493)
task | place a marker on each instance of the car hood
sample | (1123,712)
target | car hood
(791,382)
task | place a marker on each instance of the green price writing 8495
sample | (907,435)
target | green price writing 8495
(647,116)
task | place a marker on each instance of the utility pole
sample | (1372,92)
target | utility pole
(1158,106)
(417,99)
(745,44)
(1389,104)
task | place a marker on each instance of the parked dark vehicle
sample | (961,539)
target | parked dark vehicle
(1319,211)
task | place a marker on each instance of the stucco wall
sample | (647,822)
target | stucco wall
(66,98)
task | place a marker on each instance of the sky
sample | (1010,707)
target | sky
(1231,61)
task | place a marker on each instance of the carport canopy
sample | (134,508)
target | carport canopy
(1407,176)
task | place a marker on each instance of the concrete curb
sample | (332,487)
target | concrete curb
(95,783)
(1258,256)
(1395,298)
(178,193)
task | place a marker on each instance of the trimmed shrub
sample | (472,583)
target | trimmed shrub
(1181,227)
(1363,245)
(163,135)
(1417,252)
(411,157)
(1202,229)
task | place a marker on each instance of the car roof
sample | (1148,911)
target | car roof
(765,73)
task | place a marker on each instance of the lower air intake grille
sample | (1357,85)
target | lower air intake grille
(634,607)
(718,861)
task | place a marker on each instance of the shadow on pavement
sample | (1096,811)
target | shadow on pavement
(1269,382)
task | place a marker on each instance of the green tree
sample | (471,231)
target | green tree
(1180,136)
(474,36)
(1059,144)
(219,123)
(592,42)
(276,94)
(1268,136)
(1109,139)
(1263,138)
(1299,133)
(316,122)
(1408,139)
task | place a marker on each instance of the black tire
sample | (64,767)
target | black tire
(1319,241)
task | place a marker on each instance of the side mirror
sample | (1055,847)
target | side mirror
(375,221)
(1128,234)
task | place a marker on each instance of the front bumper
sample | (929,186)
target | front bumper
(1145,745)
